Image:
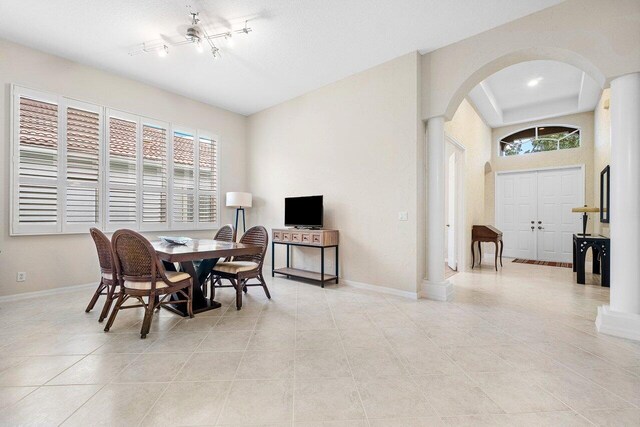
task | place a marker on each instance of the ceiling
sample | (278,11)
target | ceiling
(296,45)
(510,95)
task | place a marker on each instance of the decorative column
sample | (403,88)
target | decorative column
(622,316)
(435,286)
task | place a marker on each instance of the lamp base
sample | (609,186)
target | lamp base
(244,225)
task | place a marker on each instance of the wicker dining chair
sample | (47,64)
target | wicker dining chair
(244,267)
(226,233)
(108,283)
(141,274)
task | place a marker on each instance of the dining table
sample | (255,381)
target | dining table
(197,250)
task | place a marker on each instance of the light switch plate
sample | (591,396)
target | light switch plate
(21,276)
(403,216)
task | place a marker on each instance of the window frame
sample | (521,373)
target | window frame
(104,112)
(536,127)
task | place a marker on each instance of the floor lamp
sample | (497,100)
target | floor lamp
(239,201)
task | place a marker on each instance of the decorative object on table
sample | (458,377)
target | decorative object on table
(177,240)
(605,195)
(486,233)
(239,201)
(585,210)
(600,246)
(321,239)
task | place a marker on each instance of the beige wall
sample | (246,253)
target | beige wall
(468,129)
(56,261)
(599,37)
(601,154)
(355,142)
(570,157)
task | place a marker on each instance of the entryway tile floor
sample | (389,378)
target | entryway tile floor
(514,348)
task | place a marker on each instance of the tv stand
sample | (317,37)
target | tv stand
(319,238)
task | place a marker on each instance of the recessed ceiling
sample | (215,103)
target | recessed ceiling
(534,90)
(296,45)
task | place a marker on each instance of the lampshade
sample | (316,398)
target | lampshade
(239,200)
(585,209)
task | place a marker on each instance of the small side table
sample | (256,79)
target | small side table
(600,247)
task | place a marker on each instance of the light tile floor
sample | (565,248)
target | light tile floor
(517,347)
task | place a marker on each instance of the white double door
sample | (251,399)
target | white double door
(533,210)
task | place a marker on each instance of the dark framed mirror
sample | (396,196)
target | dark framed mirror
(605,195)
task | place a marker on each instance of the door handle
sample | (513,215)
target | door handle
(532,228)
(540,228)
(448,225)
(539,222)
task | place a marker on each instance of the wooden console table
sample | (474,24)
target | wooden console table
(600,247)
(321,239)
(486,233)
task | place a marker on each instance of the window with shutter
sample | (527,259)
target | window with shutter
(82,159)
(154,176)
(122,178)
(77,165)
(207,181)
(36,164)
(184,154)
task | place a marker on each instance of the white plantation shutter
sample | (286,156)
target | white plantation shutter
(155,180)
(36,163)
(76,165)
(122,171)
(184,186)
(207,181)
(83,131)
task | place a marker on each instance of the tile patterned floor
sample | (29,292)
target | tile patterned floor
(517,347)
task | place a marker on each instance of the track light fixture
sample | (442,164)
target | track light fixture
(196,34)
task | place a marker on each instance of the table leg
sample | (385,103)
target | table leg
(273,258)
(501,248)
(473,255)
(574,254)
(496,257)
(596,260)
(337,260)
(479,253)
(322,267)
(604,278)
(580,266)
(200,302)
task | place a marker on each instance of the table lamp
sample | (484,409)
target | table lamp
(585,216)
(239,201)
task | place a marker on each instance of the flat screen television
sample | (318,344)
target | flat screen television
(303,212)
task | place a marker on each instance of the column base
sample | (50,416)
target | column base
(616,323)
(437,291)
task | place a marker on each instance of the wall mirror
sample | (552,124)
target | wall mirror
(605,195)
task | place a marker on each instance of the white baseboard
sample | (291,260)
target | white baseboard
(624,325)
(442,291)
(46,292)
(380,289)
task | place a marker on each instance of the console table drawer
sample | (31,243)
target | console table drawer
(306,237)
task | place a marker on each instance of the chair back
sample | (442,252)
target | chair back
(103,246)
(135,259)
(226,233)
(255,236)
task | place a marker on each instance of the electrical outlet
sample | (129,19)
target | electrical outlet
(403,216)
(21,276)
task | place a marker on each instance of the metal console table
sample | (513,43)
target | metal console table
(321,239)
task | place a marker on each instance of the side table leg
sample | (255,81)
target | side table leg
(322,267)
(473,256)
(273,259)
(337,261)
(501,248)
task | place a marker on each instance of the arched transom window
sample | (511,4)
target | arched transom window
(538,139)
